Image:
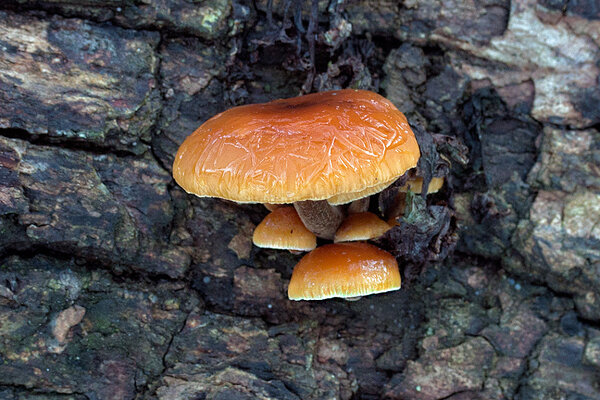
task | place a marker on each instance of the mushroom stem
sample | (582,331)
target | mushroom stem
(355,298)
(320,217)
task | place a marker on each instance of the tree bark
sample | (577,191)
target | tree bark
(114,283)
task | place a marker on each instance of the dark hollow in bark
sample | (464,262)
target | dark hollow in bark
(360,205)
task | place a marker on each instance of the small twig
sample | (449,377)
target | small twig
(310,37)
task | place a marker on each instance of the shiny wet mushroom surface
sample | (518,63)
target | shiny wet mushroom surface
(316,152)
(326,154)
(302,150)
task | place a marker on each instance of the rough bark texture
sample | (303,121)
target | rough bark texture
(116,284)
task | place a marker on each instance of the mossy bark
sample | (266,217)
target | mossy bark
(114,283)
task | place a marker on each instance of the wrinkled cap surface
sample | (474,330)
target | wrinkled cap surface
(344,270)
(311,147)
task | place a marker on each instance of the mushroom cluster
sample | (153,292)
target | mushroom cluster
(313,160)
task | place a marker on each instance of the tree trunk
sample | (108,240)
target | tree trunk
(114,283)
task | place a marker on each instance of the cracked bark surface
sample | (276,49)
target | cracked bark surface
(114,283)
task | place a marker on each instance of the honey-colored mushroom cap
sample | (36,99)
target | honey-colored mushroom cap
(283,229)
(361,226)
(344,270)
(416,185)
(311,147)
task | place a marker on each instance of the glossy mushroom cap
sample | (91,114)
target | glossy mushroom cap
(344,270)
(283,229)
(311,147)
(361,226)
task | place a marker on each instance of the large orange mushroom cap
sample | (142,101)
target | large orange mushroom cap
(344,270)
(311,147)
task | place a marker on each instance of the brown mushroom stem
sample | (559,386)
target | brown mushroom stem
(358,206)
(320,217)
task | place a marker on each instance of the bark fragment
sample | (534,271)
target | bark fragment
(74,81)
(100,208)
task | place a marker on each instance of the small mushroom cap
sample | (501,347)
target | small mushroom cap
(311,147)
(361,226)
(416,185)
(283,229)
(344,270)
(271,207)
(392,222)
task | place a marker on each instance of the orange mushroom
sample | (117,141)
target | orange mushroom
(304,150)
(283,229)
(415,185)
(344,270)
(271,207)
(361,226)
